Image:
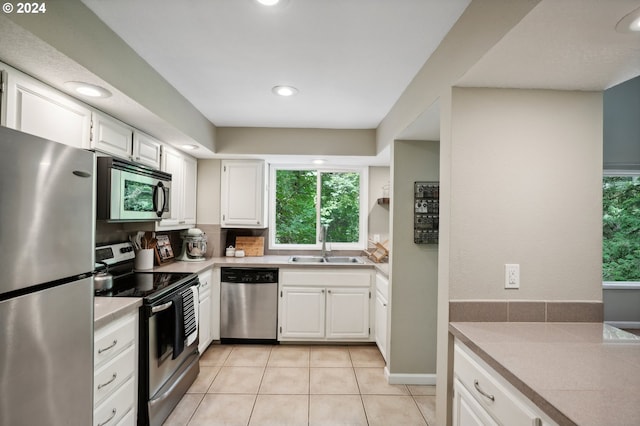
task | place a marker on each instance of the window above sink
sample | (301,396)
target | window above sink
(303,199)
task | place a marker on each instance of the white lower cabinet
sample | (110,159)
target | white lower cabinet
(115,386)
(382,314)
(215,304)
(481,396)
(204,311)
(324,305)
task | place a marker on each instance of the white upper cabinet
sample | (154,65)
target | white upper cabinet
(243,194)
(184,175)
(146,149)
(117,138)
(111,136)
(35,108)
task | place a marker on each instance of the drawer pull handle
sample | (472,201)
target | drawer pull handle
(483,393)
(115,342)
(113,414)
(100,386)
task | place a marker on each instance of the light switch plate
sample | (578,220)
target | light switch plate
(512,275)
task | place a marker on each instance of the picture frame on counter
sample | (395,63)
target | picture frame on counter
(164,251)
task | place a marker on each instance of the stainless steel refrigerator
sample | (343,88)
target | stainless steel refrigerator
(46,290)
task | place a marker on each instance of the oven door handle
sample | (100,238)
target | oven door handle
(160,308)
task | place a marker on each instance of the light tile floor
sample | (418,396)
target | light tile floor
(299,385)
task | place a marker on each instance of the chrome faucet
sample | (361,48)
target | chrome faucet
(324,240)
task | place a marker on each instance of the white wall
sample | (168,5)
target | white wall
(526,170)
(378,214)
(208,192)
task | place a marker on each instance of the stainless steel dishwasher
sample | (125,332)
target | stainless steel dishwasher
(249,304)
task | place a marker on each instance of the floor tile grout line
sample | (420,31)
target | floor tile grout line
(255,400)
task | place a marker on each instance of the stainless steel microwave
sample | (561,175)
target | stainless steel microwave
(131,192)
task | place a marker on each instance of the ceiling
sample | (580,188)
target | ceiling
(560,44)
(350,59)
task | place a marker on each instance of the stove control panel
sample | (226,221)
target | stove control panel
(114,253)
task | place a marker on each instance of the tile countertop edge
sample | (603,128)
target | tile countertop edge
(548,408)
(108,309)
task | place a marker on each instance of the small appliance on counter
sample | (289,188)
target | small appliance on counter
(194,245)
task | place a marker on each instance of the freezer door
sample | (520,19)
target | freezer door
(46,357)
(46,210)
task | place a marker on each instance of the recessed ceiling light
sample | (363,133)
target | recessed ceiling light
(86,89)
(268,2)
(284,90)
(319,161)
(630,23)
(189,147)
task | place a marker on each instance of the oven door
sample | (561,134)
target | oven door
(168,376)
(161,361)
(138,197)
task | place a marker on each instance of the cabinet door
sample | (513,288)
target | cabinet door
(347,313)
(381,324)
(466,410)
(204,323)
(190,184)
(301,313)
(146,149)
(172,163)
(33,107)
(184,176)
(111,136)
(243,194)
(215,304)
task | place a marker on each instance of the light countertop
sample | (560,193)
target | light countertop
(107,309)
(259,262)
(577,373)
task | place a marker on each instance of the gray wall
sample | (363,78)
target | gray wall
(414,267)
(622,126)
(526,188)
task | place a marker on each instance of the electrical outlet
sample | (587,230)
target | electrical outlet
(511,275)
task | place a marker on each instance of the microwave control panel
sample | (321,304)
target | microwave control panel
(426,212)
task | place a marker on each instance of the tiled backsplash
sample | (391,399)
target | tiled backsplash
(525,311)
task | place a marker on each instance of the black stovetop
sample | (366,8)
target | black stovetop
(149,285)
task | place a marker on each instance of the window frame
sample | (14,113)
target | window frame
(361,244)
(619,173)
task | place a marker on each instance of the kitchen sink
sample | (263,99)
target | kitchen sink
(343,259)
(307,259)
(328,259)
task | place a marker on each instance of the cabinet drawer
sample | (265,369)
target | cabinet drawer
(501,403)
(382,286)
(116,406)
(113,373)
(128,420)
(113,338)
(316,277)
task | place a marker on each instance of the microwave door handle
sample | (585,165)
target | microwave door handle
(157,190)
(165,199)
